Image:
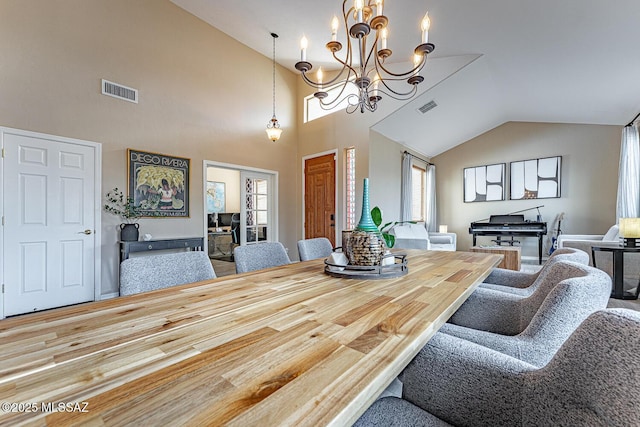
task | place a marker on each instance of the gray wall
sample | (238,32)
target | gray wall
(590,156)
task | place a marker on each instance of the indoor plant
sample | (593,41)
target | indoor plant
(125,208)
(389,239)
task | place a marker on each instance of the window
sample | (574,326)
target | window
(313,110)
(418,193)
(350,188)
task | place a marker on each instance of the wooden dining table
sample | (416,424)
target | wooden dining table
(283,346)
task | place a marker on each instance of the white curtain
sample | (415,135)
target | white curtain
(628,202)
(432,220)
(405,190)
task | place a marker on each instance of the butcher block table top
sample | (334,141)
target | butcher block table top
(283,346)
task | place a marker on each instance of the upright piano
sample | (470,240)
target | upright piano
(509,225)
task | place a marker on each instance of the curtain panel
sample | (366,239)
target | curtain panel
(628,200)
(406,187)
(430,197)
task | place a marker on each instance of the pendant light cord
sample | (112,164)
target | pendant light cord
(275,36)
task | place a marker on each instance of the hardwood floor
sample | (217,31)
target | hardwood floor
(223,268)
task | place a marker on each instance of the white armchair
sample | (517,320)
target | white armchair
(415,236)
(585,241)
(604,260)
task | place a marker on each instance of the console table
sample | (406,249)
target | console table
(190,243)
(618,269)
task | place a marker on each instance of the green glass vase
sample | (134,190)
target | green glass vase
(366,221)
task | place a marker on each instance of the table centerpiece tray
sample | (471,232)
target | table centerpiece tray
(389,271)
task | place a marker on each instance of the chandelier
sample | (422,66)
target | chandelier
(273,127)
(363,65)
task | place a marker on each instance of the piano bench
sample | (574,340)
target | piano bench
(501,242)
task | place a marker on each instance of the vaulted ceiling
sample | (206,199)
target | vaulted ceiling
(570,61)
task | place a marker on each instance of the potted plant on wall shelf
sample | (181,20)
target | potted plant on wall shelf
(124,207)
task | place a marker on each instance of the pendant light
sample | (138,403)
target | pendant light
(273,127)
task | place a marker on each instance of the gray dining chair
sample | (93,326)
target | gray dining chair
(148,273)
(564,308)
(591,381)
(319,247)
(524,284)
(260,255)
(509,314)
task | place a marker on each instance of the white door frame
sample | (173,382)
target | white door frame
(337,228)
(97,203)
(239,168)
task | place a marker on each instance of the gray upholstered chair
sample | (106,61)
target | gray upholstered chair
(509,314)
(591,381)
(148,273)
(564,308)
(521,283)
(259,256)
(319,247)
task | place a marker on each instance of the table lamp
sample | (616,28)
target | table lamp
(630,232)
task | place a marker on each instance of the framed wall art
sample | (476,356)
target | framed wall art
(158,183)
(536,178)
(215,197)
(484,183)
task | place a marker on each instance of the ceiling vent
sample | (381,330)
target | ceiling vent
(119,91)
(428,106)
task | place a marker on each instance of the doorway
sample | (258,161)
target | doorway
(50,239)
(320,196)
(244,210)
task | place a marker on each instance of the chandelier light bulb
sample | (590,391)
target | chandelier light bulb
(303,48)
(334,28)
(319,77)
(359,6)
(383,37)
(426,23)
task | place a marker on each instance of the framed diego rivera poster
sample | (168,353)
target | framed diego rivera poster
(158,183)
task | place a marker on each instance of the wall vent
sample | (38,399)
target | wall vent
(428,106)
(119,91)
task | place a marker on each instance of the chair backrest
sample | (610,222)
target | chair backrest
(148,273)
(319,247)
(593,379)
(259,255)
(569,254)
(569,303)
(235,228)
(548,279)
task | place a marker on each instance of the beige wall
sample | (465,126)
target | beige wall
(231,179)
(590,156)
(203,96)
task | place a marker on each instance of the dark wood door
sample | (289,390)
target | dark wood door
(320,197)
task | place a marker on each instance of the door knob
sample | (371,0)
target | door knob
(85,232)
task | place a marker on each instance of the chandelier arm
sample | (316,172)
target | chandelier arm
(399,96)
(310,82)
(330,105)
(416,69)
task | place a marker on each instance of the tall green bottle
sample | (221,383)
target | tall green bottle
(366,221)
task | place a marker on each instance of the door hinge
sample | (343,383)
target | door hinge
(3,152)
(3,288)
(3,220)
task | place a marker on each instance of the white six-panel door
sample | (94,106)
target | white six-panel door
(50,221)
